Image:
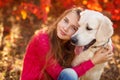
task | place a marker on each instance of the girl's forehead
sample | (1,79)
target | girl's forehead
(71,13)
(72,17)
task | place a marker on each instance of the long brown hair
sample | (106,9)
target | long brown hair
(62,52)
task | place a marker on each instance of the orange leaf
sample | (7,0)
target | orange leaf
(24,14)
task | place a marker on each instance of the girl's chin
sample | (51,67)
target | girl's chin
(60,36)
(63,37)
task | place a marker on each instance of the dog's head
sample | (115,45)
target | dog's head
(94,26)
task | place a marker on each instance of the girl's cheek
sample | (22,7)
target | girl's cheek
(72,32)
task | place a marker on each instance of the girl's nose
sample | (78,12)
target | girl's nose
(66,27)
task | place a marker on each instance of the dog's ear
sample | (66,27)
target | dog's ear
(105,30)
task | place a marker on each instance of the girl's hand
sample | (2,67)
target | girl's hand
(102,55)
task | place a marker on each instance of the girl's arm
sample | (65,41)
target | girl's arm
(55,69)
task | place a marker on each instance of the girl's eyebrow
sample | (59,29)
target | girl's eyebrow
(66,19)
(73,25)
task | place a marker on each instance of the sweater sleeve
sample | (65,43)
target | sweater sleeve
(34,59)
(83,67)
(30,68)
(55,69)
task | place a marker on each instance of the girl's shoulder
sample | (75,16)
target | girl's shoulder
(42,31)
(41,34)
(41,40)
(40,37)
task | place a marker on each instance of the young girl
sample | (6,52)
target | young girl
(50,53)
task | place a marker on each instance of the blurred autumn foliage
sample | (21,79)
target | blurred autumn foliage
(19,20)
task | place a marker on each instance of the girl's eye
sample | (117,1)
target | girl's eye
(75,28)
(65,20)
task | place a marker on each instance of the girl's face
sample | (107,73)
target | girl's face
(67,26)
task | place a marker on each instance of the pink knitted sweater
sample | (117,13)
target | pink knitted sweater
(34,60)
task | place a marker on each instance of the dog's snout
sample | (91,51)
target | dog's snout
(74,40)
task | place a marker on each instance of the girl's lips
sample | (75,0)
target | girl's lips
(62,32)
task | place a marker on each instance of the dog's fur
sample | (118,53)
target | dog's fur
(93,25)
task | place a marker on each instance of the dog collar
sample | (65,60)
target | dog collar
(102,44)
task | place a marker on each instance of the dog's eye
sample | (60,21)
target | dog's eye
(88,28)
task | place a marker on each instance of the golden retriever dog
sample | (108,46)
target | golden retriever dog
(95,31)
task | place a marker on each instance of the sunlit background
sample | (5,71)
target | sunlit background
(20,19)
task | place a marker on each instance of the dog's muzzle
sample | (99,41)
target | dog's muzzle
(74,40)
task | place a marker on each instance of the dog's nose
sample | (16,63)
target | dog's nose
(74,40)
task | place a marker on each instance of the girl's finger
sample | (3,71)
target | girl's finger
(108,47)
(110,58)
(110,54)
(100,50)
